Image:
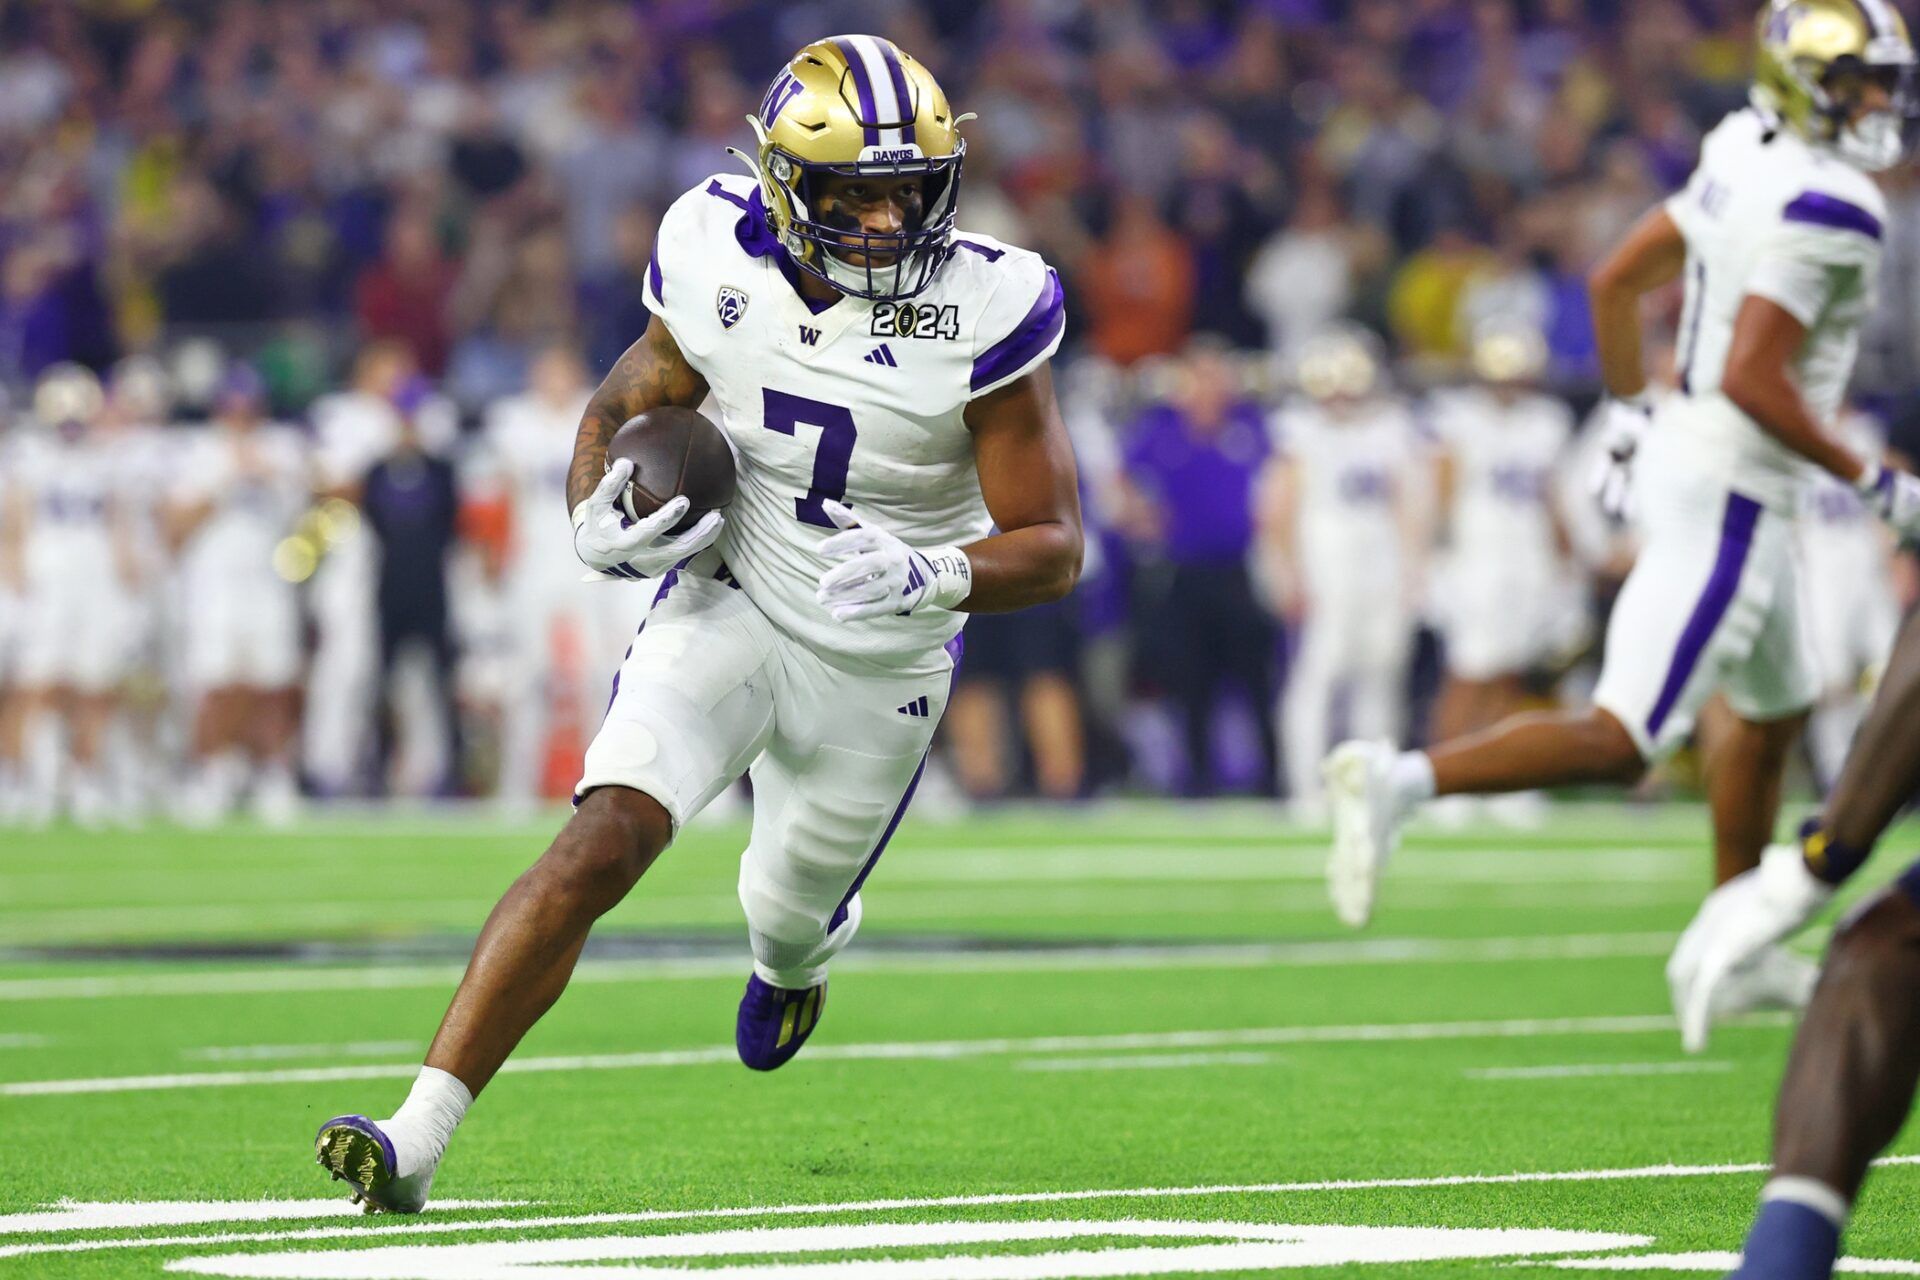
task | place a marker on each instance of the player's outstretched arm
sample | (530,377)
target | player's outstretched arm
(1025,461)
(652,372)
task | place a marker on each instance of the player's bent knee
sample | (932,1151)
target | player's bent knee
(613,837)
(1617,757)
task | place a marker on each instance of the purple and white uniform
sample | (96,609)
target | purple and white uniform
(737,668)
(1713,603)
(1502,599)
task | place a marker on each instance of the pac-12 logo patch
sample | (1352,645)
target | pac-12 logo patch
(731,303)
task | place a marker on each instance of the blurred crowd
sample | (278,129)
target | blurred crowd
(299,304)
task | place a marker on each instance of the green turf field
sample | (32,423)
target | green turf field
(1099,1042)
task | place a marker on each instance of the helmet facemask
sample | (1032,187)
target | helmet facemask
(1878,139)
(894,266)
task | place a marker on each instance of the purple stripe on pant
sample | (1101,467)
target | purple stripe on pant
(1736,540)
(1909,883)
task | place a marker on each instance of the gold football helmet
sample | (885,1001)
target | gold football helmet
(1815,58)
(858,106)
(1340,363)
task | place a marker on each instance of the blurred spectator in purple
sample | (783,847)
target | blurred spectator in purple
(1192,461)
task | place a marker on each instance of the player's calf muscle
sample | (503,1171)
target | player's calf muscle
(1850,1082)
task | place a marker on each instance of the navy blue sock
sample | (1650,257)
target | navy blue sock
(1910,882)
(1789,1241)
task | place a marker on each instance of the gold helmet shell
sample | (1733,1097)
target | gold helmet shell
(1807,49)
(858,105)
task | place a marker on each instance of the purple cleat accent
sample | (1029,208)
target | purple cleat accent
(355,1151)
(774,1022)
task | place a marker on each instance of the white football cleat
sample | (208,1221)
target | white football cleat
(1366,825)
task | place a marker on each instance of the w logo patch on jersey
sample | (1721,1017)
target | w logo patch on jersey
(731,303)
(880,355)
(916,710)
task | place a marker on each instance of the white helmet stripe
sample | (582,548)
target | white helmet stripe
(886,103)
(1879,22)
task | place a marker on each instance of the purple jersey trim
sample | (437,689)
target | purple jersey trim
(1736,539)
(715,189)
(653,276)
(756,237)
(990,254)
(1823,210)
(1033,335)
(857,68)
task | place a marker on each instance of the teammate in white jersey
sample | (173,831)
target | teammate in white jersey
(68,534)
(240,488)
(883,380)
(1505,589)
(1338,530)
(1847,590)
(1778,235)
(561,633)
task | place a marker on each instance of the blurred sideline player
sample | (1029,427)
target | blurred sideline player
(1778,233)
(240,488)
(353,429)
(12,623)
(1852,608)
(67,531)
(557,628)
(1505,590)
(809,635)
(1340,532)
(1849,1084)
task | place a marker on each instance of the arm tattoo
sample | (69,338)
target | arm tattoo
(653,372)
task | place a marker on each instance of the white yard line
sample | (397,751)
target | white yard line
(23,1040)
(432,1227)
(1148,1062)
(1175,956)
(1586,1070)
(901,1051)
(269,1052)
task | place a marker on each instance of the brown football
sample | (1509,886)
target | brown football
(674,451)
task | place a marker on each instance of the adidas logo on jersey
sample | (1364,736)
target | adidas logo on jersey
(880,355)
(917,709)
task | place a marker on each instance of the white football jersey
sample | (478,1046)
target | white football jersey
(1767,214)
(528,446)
(1506,457)
(257,485)
(857,401)
(70,491)
(1354,471)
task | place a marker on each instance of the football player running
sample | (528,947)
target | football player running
(1850,1081)
(1778,233)
(883,380)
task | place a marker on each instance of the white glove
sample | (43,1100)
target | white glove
(1738,921)
(878,574)
(1894,496)
(608,543)
(1625,421)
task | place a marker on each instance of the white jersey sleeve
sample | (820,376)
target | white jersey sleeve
(1808,267)
(1020,322)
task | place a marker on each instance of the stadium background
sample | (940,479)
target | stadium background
(395,212)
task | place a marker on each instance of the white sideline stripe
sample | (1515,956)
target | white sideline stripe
(23,1040)
(259,1052)
(1148,1062)
(932,1202)
(920,1050)
(1585,1070)
(1363,951)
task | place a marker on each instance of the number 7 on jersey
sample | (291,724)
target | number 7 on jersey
(784,413)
